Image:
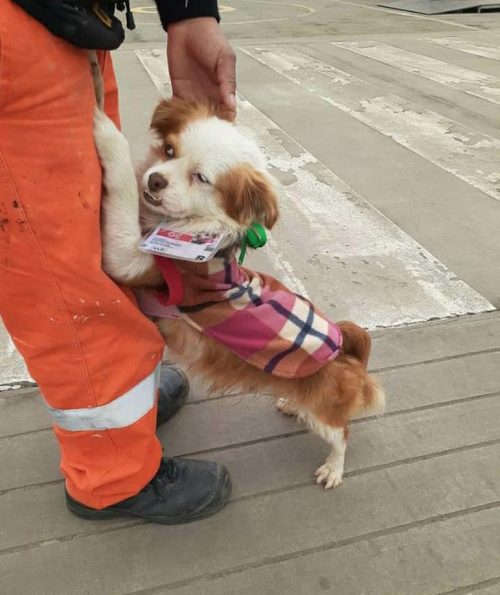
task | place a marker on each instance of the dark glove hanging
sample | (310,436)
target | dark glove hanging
(85,23)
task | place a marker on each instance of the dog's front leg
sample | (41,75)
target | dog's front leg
(284,406)
(121,232)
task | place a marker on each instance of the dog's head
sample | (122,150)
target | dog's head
(204,170)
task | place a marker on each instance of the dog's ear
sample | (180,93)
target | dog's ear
(356,342)
(172,115)
(249,196)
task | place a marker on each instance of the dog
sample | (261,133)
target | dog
(206,177)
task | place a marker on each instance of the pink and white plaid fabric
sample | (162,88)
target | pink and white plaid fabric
(253,315)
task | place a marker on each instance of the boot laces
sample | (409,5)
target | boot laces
(168,471)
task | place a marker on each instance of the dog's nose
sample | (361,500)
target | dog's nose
(156,182)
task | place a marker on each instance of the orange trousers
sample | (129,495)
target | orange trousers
(93,354)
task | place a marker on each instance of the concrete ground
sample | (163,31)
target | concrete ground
(384,129)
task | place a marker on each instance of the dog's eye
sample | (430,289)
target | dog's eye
(169,151)
(201,178)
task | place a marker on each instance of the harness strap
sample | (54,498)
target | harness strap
(173,279)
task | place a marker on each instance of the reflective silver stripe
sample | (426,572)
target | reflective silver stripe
(121,412)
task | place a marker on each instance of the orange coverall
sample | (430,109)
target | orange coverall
(94,356)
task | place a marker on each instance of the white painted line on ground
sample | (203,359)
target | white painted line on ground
(469,47)
(155,64)
(468,81)
(355,262)
(400,13)
(12,368)
(471,156)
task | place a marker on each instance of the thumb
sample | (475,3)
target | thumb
(226,79)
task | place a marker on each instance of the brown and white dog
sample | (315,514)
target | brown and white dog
(205,176)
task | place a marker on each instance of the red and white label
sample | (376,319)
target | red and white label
(197,247)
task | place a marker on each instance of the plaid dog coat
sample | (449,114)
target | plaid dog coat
(252,314)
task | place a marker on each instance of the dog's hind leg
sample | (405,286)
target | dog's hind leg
(331,472)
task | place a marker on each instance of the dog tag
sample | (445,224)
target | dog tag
(196,247)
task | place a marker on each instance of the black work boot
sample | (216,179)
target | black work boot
(173,392)
(183,490)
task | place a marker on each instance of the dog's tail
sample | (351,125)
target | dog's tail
(374,397)
(95,70)
(356,343)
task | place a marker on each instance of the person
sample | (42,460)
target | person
(95,357)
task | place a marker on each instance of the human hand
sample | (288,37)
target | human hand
(202,64)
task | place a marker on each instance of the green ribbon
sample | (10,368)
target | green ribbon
(255,237)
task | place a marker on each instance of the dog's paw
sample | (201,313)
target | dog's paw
(283,405)
(331,478)
(110,142)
